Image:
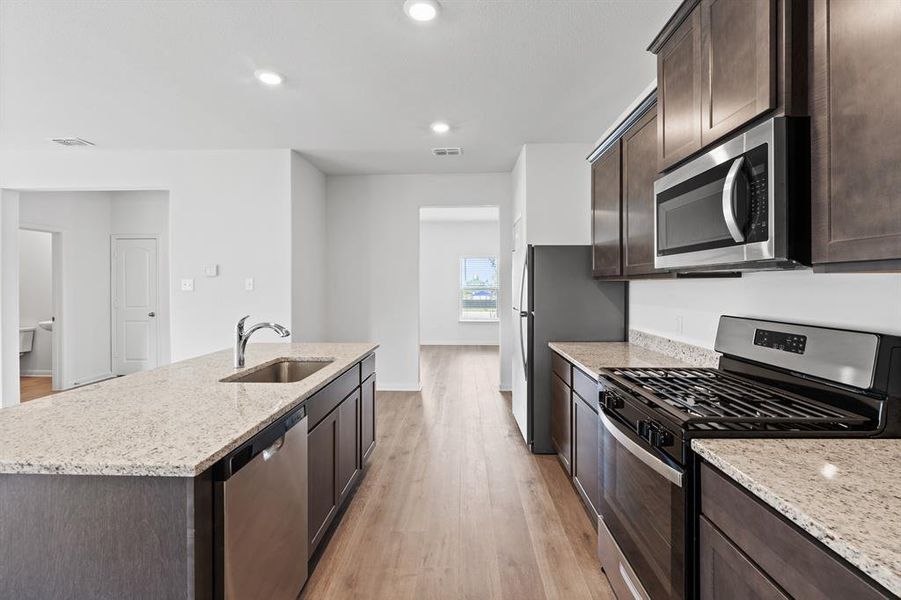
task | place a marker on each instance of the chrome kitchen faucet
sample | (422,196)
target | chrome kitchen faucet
(241,337)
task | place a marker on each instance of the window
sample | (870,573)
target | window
(478,288)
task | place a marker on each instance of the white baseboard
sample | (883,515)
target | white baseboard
(398,387)
(96,378)
(458,343)
(505,388)
(36,373)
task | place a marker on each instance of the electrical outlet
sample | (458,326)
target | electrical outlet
(248,284)
(680,324)
(187,285)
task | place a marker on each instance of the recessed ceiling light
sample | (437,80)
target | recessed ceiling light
(269,77)
(440,127)
(421,10)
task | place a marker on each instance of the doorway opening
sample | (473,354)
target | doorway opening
(93,287)
(459,252)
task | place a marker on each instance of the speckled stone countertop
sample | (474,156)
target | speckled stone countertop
(846,493)
(591,357)
(176,420)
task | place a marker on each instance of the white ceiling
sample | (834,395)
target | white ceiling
(363,81)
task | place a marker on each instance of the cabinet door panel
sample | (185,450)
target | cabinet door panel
(738,65)
(586,454)
(639,172)
(321,448)
(679,93)
(856,130)
(561,421)
(606,213)
(727,573)
(348,454)
(367,418)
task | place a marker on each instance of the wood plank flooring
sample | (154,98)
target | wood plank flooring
(32,388)
(454,506)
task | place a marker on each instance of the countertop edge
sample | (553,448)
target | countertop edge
(829,538)
(576,362)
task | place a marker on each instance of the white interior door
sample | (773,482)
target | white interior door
(135,305)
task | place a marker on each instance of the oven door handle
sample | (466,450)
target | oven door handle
(671,474)
(728,205)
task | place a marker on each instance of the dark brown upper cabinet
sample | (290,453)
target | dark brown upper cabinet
(716,67)
(679,92)
(606,213)
(639,150)
(737,64)
(855,95)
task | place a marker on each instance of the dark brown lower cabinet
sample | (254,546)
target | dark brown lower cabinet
(347,460)
(322,445)
(367,418)
(727,573)
(756,549)
(561,421)
(585,453)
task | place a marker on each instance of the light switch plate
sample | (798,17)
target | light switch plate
(248,284)
(211,270)
(187,285)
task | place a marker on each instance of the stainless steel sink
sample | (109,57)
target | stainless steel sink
(283,371)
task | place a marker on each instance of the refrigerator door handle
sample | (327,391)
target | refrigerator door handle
(523,315)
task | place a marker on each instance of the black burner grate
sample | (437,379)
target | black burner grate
(713,399)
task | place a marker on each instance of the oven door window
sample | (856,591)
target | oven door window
(692,216)
(643,509)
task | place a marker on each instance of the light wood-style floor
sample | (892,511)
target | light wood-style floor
(32,388)
(454,506)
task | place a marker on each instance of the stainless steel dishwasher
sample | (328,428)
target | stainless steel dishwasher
(263,487)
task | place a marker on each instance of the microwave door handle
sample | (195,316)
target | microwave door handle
(728,195)
(673,475)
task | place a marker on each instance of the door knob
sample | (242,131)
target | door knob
(151,314)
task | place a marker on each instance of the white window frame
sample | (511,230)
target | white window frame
(460,287)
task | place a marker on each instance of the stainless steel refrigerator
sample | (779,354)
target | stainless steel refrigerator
(556,300)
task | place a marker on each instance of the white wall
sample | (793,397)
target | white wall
(308,248)
(228,207)
(84,220)
(9,297)
(146,212)
(373,260)
(442,245)
(36,297)
(689,310)
(557,193)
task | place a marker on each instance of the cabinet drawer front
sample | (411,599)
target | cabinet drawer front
(562,368)
(727,573)
(367,367)
(322,402)
(586,387)
(795,561)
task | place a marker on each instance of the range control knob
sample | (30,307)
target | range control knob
(611,400)
(654,434)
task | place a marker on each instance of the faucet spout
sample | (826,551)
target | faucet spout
(242,336)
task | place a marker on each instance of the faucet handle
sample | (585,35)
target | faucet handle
(240,326)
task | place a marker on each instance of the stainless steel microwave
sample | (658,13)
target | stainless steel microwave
(744,205)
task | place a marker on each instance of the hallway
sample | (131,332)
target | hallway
(454,506)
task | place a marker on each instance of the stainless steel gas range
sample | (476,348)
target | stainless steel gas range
(773,380)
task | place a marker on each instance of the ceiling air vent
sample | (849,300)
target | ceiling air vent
(72,141)
(447,151)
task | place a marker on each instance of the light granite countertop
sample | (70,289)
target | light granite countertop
(846,493)
(176,420)
(591,357)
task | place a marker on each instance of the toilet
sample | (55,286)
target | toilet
(26,340)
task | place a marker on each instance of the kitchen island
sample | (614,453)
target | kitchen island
(110,490)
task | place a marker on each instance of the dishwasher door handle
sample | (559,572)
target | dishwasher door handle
(271,450)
